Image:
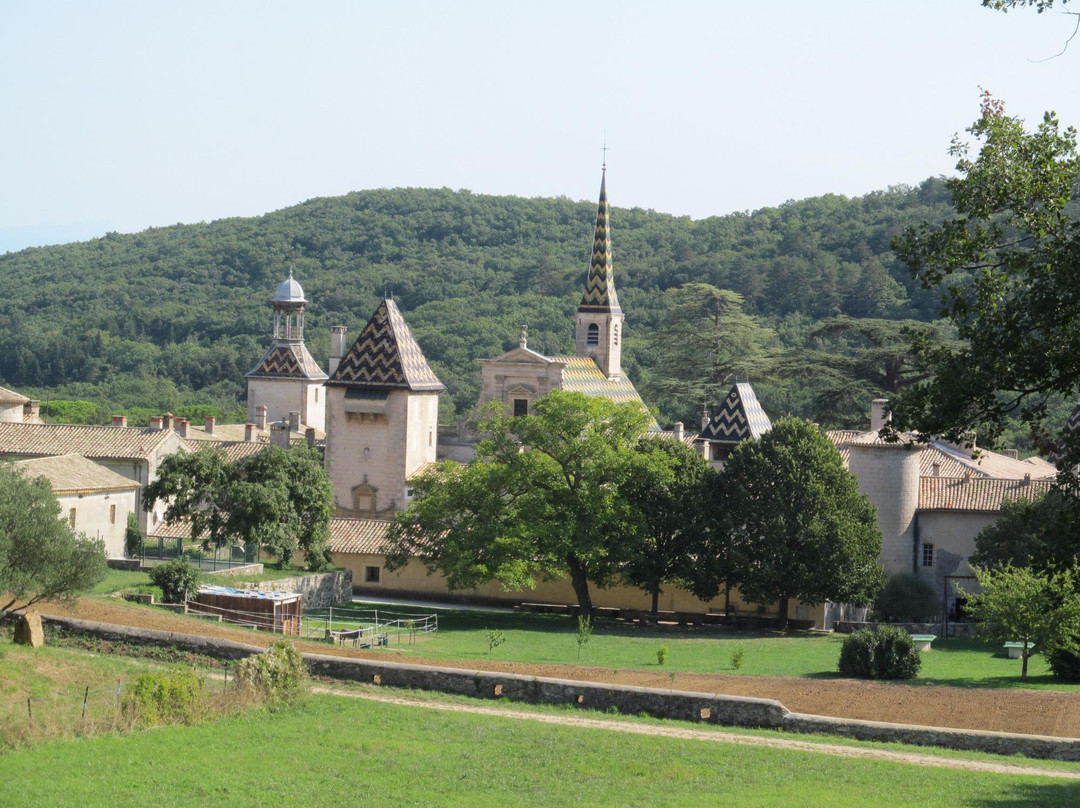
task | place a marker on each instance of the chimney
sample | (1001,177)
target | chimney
(294,421)
(309,433)
(1027,479)
(279,434)
(249,432)
(210,421)
(935,469)
(1014,454)
(337,346)
(704,418)
(167,421)
(119,420)
(155,422)
(879,414)
(182,427)
(679,431)
(260,417)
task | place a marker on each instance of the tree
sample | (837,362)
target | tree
(705,338)
(1006,271)
(1018,604)
(133,537)
(177,579)
(542,498)
(1039,533)
(277,499)
(668,490)
(804,530)
(41,558)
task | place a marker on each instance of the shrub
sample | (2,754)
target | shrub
(177,580)
(661,655)
(737,658)
(133,537)
(1063,657)
(906,597)
(887,652)
(279,676)
(167,697)
(494,638)
(584,632)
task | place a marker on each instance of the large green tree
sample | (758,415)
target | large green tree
(1039,533)
(669,491)
(1006,268)
(542,498)
(804,530)
(280,500)
(41,558)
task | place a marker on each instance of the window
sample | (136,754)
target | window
(316,395)
(71,518)
(593,337)
(521,406)
(112,514)
(371,575)
(927,555)
(615,334)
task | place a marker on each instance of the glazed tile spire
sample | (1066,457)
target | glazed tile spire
(600,287)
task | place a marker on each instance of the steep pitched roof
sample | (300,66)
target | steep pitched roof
(739,417)
(386,356)
(287,361)
(362,536)
(600,286)
(94,442)
(975,494)
(583,375)
(74,474)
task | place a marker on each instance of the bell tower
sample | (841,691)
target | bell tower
(599,317)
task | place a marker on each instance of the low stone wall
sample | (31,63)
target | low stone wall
(327,589)
(682,705)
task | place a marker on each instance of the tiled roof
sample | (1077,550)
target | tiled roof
(223,433)
(840,438)
(11,397)
(738,418)
(287,361)
(688,438)
(978,494)
(600,286)
(583,375)
(362,536)
(234,450)
(386,356)
(74,474)
(90,441)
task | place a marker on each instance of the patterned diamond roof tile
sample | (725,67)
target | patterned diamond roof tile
(386,356)
(738,418)
(288,361)
(600,286)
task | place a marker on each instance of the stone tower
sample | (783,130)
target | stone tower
(382,416)
(288,379)
(599,318)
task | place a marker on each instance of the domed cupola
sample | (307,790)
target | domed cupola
(289,291)
(289,303)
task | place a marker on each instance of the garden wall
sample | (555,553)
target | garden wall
(327,589)
(687,706)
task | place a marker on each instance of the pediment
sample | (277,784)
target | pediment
(520,356)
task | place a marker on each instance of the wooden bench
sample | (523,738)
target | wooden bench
(340,636)
(1015,650)
(922,641)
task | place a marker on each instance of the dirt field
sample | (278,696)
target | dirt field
(1027,711)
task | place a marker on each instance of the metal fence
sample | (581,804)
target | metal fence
(221,558)
(367,628)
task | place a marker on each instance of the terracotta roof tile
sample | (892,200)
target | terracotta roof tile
(361,536)
(74,474)
(90,441)
(975,494)
(11,397)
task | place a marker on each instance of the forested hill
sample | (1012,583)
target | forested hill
(177,315)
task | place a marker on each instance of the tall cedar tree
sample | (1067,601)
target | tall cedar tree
(542,498)
(803,529)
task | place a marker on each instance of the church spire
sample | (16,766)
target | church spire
(600,286)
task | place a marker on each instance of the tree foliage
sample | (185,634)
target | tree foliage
(1039,533)
(1019,604)
(276,499)
(803,530)
(1005,269)
(177,579)
(542,499)
(41,559)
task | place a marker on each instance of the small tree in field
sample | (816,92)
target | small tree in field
(1018,604)
(133,537)
(40,557)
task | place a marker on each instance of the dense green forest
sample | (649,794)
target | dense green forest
(174,317)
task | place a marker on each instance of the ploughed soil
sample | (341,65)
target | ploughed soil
(1037,712)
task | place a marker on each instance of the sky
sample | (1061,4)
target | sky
(119,116)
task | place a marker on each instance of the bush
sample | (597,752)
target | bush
(886,652)
(661,655)
(279,676)
(168,697)
(133,537)
(906,597)
(1063,657)
(177,579)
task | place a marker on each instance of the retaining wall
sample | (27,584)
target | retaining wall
(683,705)
(327,589)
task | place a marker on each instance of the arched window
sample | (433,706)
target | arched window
(593,337)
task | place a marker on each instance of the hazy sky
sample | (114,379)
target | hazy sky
(126,115)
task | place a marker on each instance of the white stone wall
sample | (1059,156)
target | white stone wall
(889,475)
(100,516)
(531,380)
(953,536)
(421,434)
(11,413)
(283,396)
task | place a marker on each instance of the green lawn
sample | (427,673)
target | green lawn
(540,638)
(334,751)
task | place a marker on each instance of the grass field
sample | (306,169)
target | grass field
(333,751)
(551,639)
